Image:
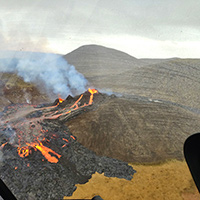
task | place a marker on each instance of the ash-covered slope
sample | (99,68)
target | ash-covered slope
(136,130)
(175,80)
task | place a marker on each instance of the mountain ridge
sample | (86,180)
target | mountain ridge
(174,79)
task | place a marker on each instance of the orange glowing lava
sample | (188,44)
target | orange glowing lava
(76,103)
(60,100)
(3,145)
(25,148)
(92,92)
(25,151)
(75,106)
(46,153)
(65,140)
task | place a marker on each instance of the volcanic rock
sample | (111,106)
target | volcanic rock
(97,198)
(42,159)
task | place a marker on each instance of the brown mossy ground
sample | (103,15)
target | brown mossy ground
(170,180)
(14,90)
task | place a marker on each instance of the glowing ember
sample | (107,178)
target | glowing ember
(65,140)
(72,137)
(24,125)
(2,146)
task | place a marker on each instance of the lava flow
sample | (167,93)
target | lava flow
(23,125)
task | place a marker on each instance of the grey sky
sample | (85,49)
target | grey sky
(142,28)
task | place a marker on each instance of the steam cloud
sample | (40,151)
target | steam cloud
(50,70)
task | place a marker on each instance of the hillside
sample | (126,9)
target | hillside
(175,80)
(159,109)
(135,131)
(13,89)
(97,61)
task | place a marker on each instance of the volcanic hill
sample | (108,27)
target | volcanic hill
(154,107)
(158,110)
(135,131)
(175,80)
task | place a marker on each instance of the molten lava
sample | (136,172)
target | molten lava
(25,122)
(60,100)
(92,92)
(45,152)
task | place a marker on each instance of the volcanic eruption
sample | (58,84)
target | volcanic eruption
(41,157)
(26,125)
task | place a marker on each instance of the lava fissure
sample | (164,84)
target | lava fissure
(41,158)
(26,121)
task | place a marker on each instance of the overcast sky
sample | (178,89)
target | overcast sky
(142,28)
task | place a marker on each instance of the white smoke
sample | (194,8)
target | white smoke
(50,70)
(109,92)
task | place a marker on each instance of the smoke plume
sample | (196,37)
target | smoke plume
(49,70)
